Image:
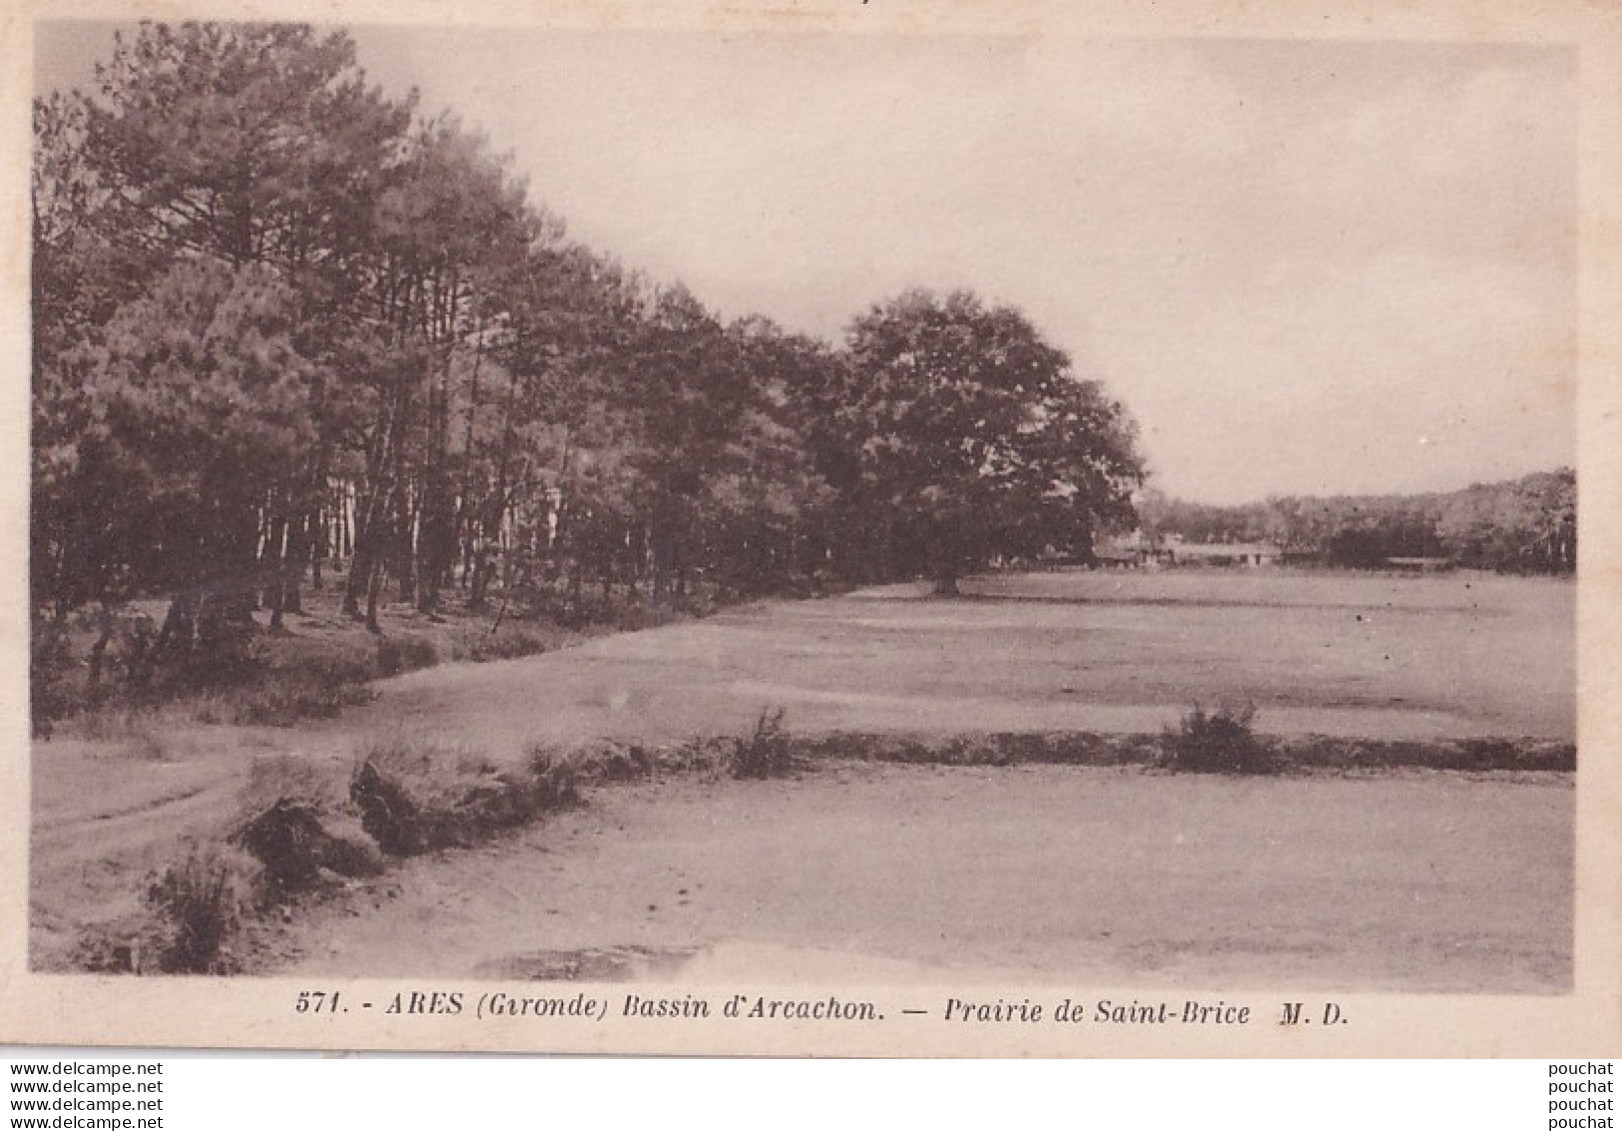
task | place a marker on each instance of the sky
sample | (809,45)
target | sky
(1317,267)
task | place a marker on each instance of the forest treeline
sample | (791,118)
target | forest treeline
(1526,525)
(290,330)
(284,322)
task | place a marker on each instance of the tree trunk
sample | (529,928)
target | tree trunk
(315,526)
(374,584)
(276,553)
(404,546)
(298,549)
(950,556)
(105,625)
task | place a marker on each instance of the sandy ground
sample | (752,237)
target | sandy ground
(1042,873)
(1449,657)
(1454,656)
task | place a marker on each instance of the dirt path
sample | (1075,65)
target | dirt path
(1047,873)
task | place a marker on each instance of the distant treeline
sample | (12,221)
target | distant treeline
(1527,525)
(283,322)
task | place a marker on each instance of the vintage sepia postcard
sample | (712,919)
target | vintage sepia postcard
(840,527)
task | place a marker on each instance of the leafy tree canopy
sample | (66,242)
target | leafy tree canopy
(976,436)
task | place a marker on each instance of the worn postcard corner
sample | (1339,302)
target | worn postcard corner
(843,528)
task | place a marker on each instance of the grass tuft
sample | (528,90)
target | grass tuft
(415,798)
(555,777)
(289,777)
(198,904)
(767,752)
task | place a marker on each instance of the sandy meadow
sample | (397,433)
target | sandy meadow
(1416,832)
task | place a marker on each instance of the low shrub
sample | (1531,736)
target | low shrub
(134,732)
(404,755)
(290,777)
(50,669)
(415,799)
(223,651)
(212,708)
(307,683)
(118,947)
(293,843)
(292,821)
(1222,741)
(147,745)
(397,655)
(352,663)
(556,778)
(198,904)
(700,755)
(614,761)
(508,644)
(388,812)
(285,698)
(1001,748)
(767,752)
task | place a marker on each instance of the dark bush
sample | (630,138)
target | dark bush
(388,812)
(768,752)
(198,902)
(413,799)
(50,667)
(223,652)
(309,683)
(400,654)
(330,664)
(556,779)
(292,842)
(1217,742)
(616,762)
